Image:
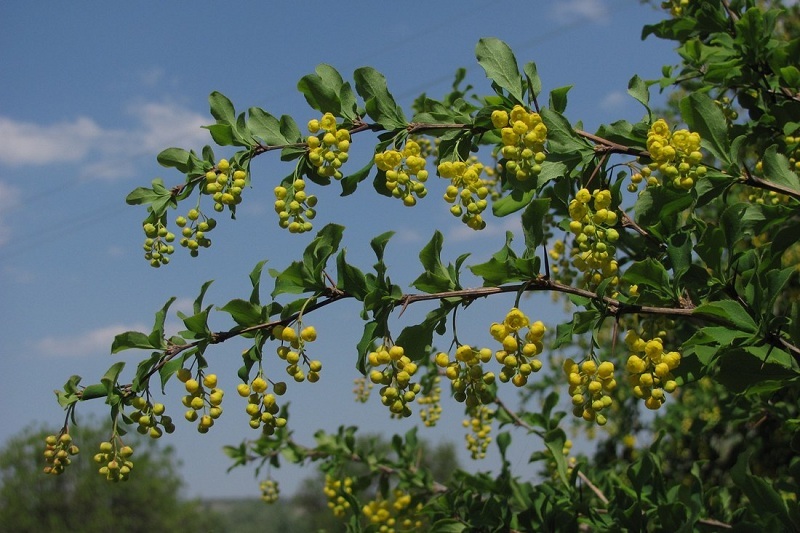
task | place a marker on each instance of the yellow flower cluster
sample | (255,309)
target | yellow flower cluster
(590,385)
(467,191)
(295,207)
(650,369)
(469,382)
(149,416)
(262,406)
(57,452)
(269,491)
(116,461)
(294,351)
(397,389)
(203,396)
(362,389)
(675,155)
(432,410)
(405,172)
(592,223)
(523,134)
(224,185)
(328,146)
(675,7)
(480,426)
(158,243)
(518,355)
(335,491)
(395,515)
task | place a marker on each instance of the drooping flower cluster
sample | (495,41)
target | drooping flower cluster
(405,172)
(395,514)
(524,135)
(590,386)
(295,207)
(397,389)
(675,155)
(203,396)
(262,406)
(335,491)
(592,223)
(150,418)
(480,426)
(467,191)
(328,146)
(650,369)
(57,452)
(518,355)
(116,460)
(294,351)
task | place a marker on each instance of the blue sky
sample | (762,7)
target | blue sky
(91,94)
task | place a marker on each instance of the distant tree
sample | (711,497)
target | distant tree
(82,500)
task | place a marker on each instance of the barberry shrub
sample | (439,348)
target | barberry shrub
(672,241)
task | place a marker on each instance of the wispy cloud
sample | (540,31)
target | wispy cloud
(613,101)
(93,342)
(106,153)
(567,11)
(9,199)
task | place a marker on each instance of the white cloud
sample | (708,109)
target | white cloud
(27,143)
(92,342)
(106,153)
(567,11)
(9,200)
(613,100)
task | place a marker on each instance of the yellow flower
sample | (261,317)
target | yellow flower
(516,320)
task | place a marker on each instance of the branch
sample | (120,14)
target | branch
(613,307)
(604,145)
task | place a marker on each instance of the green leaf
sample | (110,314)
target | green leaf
(777,169)
(175,157)
(109,379)
(291,280)
(222,134)
(289,130)
(533,224)
(351,280)
(92,392)
(532,77)
(143,195)
(764,501)
(554,440)
(639,90)
(157,335)
(500,65)
(741,370)
(500,268)
(448,525)
(321,89)
(648,273)
(706,118)
(513,202)
(255,281)
(265,127)
(222,108)
(380,104)
(558,98)
(243,312)
(131,339)
(561,137)
(350,183)
(730,310)
(436,278)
